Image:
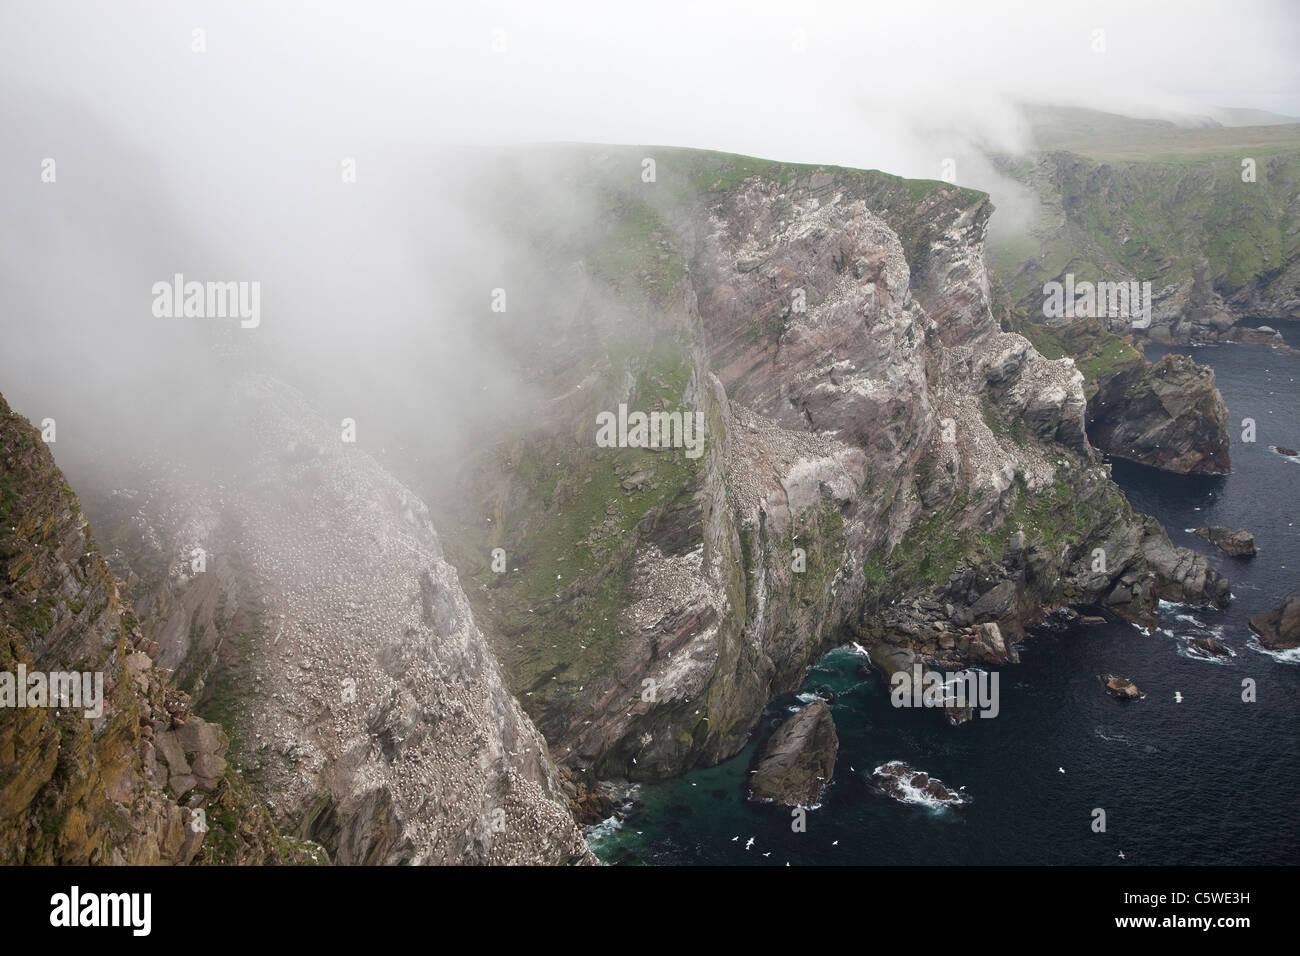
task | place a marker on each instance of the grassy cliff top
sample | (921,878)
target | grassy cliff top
(1121,139)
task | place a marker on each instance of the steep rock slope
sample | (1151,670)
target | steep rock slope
(144,781)
(332,637)
(798,760)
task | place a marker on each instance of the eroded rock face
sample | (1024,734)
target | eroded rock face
(1279,628)
(105,788)
(1168,415)
(1182,574)
(883,460)
(798,760)
(1234,541)
(369,702)
(1172,422)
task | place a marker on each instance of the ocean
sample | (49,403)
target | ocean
(1192,774)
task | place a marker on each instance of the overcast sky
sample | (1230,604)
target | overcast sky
(225,163)
(832,82)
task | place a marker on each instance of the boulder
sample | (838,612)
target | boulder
(798,760)
(1279,628)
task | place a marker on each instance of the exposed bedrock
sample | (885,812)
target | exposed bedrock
(798,761)
(1234,541)
(1279,628)
(1168,415)
(883,463)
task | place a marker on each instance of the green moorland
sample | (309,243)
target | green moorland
(1119,198)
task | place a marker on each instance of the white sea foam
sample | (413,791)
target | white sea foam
(1291,656)
(899,787)
(1186,650)
(603,830)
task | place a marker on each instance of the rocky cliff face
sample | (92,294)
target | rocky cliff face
(141,781)
(1223,256)
(883,461)
(880,462)
(336,643)
(1166,415)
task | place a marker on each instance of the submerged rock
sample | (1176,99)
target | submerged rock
(1279,628)
(1208,647)
(798,760)
(1121,688)
(1234,541)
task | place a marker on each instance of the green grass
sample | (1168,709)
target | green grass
(580,524)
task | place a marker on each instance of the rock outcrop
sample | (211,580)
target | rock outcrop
(798,761)
(1279,627)
(1234,541)
(1209,648)
(1183,574)
(1121,688)
(1168,415)
(137,778)
(906,784)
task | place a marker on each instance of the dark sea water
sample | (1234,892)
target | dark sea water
(1210,780)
